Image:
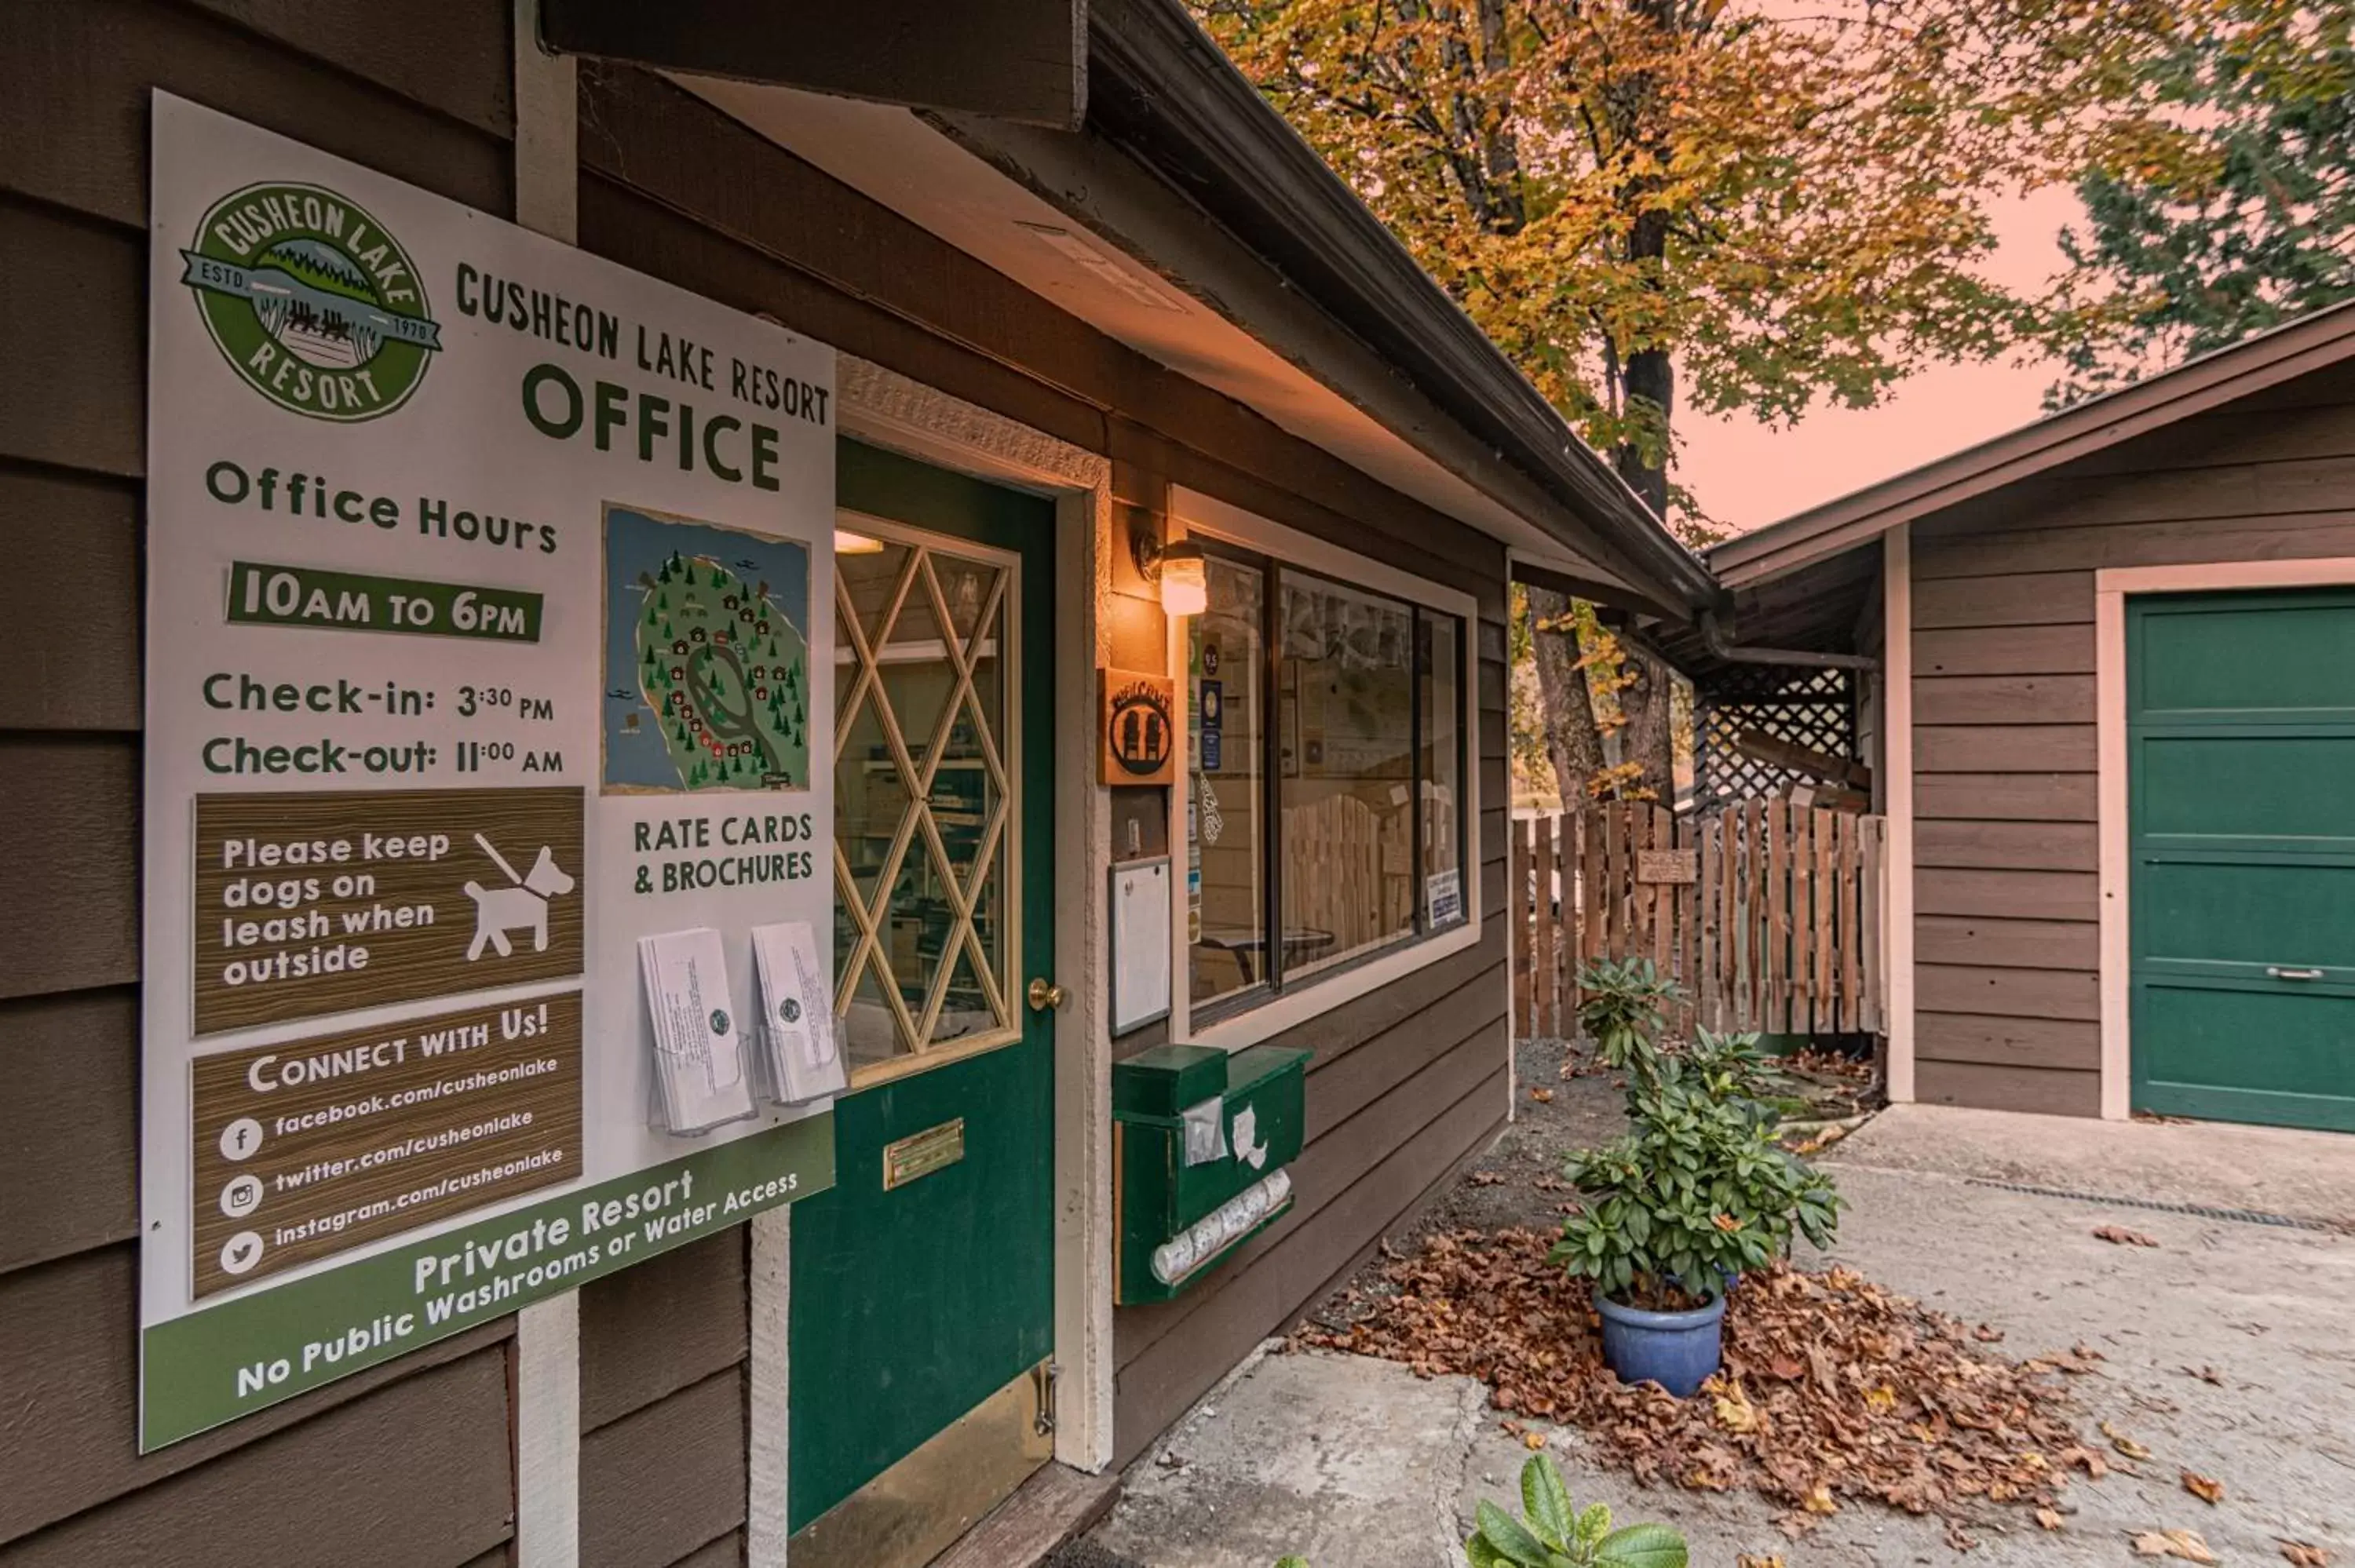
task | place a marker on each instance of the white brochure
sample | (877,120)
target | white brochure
(801,1055)
(698,1043)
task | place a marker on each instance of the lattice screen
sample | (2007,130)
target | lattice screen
(1814,708)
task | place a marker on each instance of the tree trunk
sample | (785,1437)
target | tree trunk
(1573,743)
(1648,387)
(1650,379)
(1648,739)
(1650,383)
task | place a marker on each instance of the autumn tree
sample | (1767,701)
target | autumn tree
(1655,205)
(2251,224)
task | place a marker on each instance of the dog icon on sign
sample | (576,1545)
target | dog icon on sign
(523,906)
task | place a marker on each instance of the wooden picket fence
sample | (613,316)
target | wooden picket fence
(1767,913)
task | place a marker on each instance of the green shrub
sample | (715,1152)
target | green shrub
(1697,1192)
(1624,1006)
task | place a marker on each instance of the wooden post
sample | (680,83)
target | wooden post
(1748,893)
(1590,875)
(1801,974)
(1684,898)
(1845,912)
(1777,939)
(1732,951)
(1576,825)
(1642,907)
(1732,1011)
(1663,835)
(1522,926)
(1708,831)
(1615,879)
(1874,938)
(1547,927)
(1820,908)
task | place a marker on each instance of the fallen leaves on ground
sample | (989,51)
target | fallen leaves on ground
(2076,1360)
(1757,1560)
(1833,1388)
(2123,1444)
(2048,1518)
(1830,1065)
(2121,1237)
(1818,1141)
(2205,1374)
(2301,1555)
(2207,1488)
(2187,1544)
(1544,1096)
(1487,1177)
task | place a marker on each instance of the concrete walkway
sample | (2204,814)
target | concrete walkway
(1358,1463)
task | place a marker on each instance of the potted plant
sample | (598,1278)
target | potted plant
(1696,1194)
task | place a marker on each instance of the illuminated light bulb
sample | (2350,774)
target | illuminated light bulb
(1184,585)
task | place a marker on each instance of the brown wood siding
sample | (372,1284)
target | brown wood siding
(665,1407)
(651,1330)
(2006,906)
(662,1484)
(404,1464)
(412,1473)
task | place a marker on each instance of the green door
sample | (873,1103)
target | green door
(923,1293)
(2240,736)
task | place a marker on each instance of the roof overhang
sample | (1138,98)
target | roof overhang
(1188,221)
(2310,343)
(1021,60)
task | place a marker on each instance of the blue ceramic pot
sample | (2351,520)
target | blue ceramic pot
(1675,1349)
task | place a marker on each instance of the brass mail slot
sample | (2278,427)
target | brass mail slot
(921,1153)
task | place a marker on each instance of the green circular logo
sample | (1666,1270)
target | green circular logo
(313,302)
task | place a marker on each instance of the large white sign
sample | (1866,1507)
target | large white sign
(490,632)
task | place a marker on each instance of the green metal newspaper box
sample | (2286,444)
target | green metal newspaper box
(1203,1143)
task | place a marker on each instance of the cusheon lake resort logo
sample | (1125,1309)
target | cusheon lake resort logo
(312,300)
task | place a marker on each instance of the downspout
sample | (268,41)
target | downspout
(1714,636)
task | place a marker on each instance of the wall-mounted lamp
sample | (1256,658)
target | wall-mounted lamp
(1185,586)
(1175,569)
(847,543)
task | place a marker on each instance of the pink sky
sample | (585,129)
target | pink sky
(1747,475)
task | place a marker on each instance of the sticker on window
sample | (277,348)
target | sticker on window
(1443,893)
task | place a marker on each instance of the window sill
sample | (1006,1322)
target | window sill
(1257,1024)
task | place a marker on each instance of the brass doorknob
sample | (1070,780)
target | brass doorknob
(1044,993)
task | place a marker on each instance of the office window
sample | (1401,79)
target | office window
(1358,763)
(1226,734)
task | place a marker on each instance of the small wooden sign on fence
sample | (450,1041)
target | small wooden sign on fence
(1667,868)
